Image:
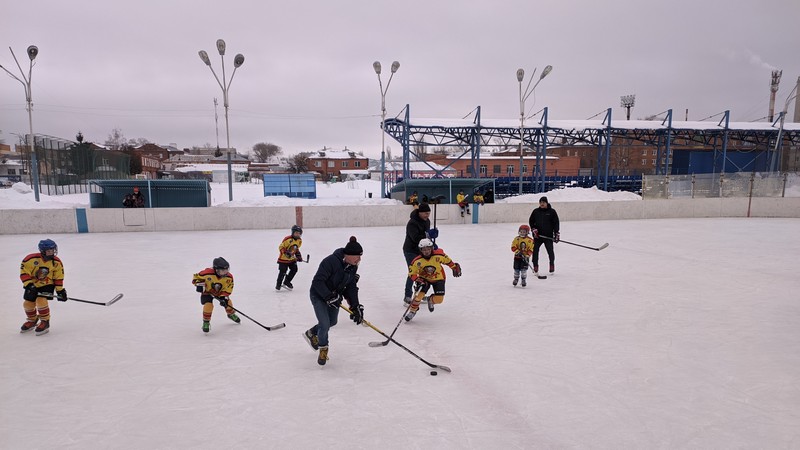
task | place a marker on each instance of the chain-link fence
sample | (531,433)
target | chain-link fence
(707,185)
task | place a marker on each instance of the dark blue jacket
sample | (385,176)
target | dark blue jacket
(334,277)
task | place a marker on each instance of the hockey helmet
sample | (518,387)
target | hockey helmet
(221,264)
(297,229)
(47,244)
(424,243)
(524,230)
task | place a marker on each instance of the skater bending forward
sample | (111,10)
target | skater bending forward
(427,270)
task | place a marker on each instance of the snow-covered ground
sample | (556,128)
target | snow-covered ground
(681,334)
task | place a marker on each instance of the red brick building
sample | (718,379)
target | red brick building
(329,163)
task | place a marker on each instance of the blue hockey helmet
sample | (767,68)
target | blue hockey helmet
(47,244)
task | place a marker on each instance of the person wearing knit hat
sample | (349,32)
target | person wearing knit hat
(545,226)
(417,229)
(336,280)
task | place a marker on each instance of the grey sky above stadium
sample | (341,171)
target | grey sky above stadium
(308,82)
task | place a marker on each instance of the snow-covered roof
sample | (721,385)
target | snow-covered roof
(595,124)
(413,165)
(336,154)
(211,168)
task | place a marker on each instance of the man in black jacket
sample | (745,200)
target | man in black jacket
(336,279)
(417,229)
(545,226)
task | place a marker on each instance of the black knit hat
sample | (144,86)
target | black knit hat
(543,199)
(353,247)
(423,207)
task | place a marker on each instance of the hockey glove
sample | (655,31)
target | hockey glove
(357,315)
(223,301)
(199,288)
(30,292)
(556,237)
(299,257)
(535,233)
(457,270)
(62,295)
(421,285)
(334,300)
(433,233)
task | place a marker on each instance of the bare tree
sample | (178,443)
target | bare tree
(138,142)
(298,163)
(263,151)
(116,140)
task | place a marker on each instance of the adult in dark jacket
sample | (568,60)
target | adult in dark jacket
(545,226)
(417,229)
(336,279)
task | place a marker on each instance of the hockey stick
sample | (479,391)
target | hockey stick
(386,342)
(432,366)
(272,328)
(108,303)
(577,245)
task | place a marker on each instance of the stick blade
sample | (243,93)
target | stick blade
(114,300)
(276,327)
(602,246)
(445,368)
(375,344)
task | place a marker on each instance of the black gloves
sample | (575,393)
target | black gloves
(357,315)
(199,288)
(556,237)
(422,285)
(223,301)
(30,292)
(62,295)
(457,270)
(299,257)
(334,300)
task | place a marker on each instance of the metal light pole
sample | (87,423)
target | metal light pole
(33,51)
(522,97)
(778,143)
(628,102)
(238,60)
(377,66)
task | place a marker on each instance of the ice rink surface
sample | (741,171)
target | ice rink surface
(681,334)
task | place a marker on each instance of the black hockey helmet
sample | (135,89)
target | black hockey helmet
(296,229)
(221,264)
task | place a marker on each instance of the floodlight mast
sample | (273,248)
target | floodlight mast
(33,52)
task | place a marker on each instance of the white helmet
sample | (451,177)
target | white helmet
(425,243)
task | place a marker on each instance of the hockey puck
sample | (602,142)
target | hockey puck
(434,373)
(542,277)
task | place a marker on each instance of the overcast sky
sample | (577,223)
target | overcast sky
(308,82)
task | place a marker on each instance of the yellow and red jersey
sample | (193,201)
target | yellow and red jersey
(289,249)
(522,245)
(213,284)
(430,269)
(460,198)
(41,271)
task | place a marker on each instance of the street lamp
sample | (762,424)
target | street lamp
(33,51)
(377,66)
(238,60)
(522,97)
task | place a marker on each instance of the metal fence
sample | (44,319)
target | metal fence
(707,185)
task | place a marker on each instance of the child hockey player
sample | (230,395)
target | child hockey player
(41,273)
(288,257)
(215,282)
(522,246)
(426,270)
(461,199)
